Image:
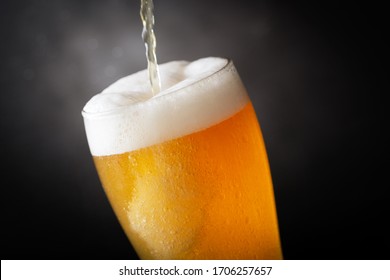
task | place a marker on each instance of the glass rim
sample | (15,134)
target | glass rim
(120,109)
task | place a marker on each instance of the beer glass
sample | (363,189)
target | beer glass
(186,171)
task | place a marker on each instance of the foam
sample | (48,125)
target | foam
(194,96)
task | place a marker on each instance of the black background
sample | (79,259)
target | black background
(313,71)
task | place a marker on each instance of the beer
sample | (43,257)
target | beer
(147,17)
(186,171)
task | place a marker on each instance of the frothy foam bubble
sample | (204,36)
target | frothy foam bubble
(194,96)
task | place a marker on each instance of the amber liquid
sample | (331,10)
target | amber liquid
(207,195)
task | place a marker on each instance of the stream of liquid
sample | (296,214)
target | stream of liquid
(149,38)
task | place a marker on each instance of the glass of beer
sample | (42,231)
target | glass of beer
(186,170)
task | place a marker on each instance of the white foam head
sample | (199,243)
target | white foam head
(194,96)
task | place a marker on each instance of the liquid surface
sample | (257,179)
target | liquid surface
(207,195)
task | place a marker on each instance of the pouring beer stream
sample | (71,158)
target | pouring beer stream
(147,17)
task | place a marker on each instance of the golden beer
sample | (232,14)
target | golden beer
(204,195)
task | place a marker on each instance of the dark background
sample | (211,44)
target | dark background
(313,71)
